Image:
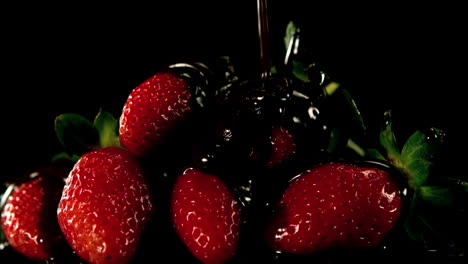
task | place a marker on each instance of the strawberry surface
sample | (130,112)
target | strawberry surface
(105,206)
(152,111)
(335,205)
(206,216)
(283,146)
(29,216)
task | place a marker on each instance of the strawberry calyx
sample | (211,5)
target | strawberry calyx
(432,202)
(413,160)
(79,135)
(107,127)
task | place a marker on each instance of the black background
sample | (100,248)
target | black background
(78,58)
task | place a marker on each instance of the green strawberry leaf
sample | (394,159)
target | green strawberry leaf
(416,147)
(373,153)
(334,140)
(331,88)
(415,158)
(65,156)
(437,195)
(76,133)
(417,172)
(229,70)
(273,69)
(291,30)
(350,120)
(356,117)
(299,70)
(388,141)
(426,218)
(107,127)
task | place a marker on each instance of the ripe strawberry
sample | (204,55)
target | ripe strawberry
(335,205)
(105,206)
(283,146)
(206,216)
(29,216)
(151,112)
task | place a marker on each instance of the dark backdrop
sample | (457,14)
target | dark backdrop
(78,58)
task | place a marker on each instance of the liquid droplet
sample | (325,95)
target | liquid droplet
(387,118)
(435,136)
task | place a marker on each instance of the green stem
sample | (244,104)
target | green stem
(354,146)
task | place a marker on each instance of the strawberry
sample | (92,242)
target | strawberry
(105,206)
(206,216)
(152,111)
(29,216)
(283,146)
(335,205)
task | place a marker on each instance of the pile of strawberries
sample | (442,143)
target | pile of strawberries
(203,166)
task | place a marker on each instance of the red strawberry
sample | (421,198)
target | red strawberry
(105,206)
(335,205)
(206,216)
(283,146)
(151,112)
(29,216)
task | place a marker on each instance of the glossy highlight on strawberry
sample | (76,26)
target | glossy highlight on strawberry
(152,111)
(335,205)
(277,166)
(206,216)
(29,216)
(105,206)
